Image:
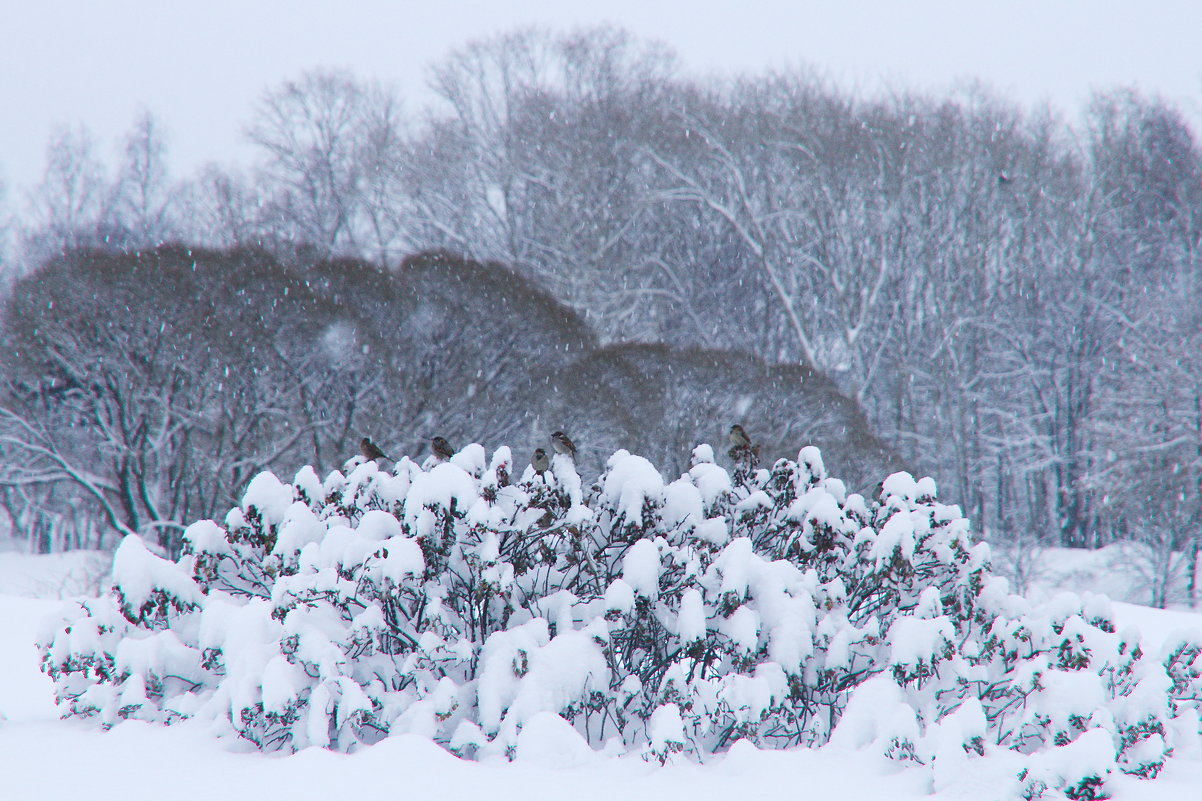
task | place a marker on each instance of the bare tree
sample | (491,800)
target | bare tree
(540,164)
(223,208)
(66,210)
(143,202)
(330,143)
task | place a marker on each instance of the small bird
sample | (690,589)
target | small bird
(561,444)
(738,437)
(539,461)
(370,451)
(441,448)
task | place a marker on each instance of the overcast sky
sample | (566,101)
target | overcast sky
(200,66)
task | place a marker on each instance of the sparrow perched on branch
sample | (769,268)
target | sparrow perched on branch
(441,448)
(539,461)
(370,451)
(561,444)
(738,437)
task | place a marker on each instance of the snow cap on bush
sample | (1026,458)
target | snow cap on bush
(665,619)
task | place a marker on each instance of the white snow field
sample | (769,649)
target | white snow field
(43,757)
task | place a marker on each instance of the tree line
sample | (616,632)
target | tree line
(1013,300)
(144,390)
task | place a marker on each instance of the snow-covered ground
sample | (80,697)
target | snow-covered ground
(59,575)
(42,757)
(1125,571)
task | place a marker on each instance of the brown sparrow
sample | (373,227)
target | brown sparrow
(370,451)
(441,448)
(539,461)
(561,444)
(738,437)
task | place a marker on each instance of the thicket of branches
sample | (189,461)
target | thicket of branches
(1014,301)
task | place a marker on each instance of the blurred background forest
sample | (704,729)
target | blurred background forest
(992,296)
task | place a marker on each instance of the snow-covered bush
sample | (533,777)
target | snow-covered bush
(665,618)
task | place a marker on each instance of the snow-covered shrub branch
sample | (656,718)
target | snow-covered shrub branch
(458,601)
